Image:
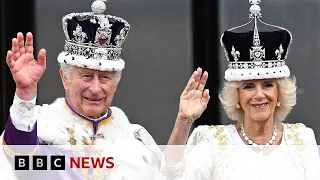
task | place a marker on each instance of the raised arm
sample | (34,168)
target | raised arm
(193,101)
(194,161)
(26,72)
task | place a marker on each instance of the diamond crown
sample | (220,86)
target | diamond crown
(94,34)
(256,49)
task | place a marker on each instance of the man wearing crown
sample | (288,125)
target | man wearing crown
(90,71)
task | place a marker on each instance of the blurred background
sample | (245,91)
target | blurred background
(168,40)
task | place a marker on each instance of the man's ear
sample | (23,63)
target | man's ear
(64,79)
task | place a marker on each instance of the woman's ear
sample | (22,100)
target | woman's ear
(279,96)
(64,79)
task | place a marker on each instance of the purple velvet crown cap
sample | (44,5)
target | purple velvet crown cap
(271,41)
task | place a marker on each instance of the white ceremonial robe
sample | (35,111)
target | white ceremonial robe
(137,157)
(218,153)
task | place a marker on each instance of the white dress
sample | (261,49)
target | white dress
(218,153)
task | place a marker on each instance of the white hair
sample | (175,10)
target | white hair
(67,70)
(229,98)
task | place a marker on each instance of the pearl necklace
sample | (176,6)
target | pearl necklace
(250,142)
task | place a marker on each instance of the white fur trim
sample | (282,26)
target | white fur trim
(91,63)
(257,73)
(54,119)
(122,119)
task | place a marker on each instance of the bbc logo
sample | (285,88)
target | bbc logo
(39,163)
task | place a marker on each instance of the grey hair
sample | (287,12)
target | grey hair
(229,98)
(67,70)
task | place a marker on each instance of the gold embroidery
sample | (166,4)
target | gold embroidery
(223,149)
(223,140)
(295,136)
(98,173)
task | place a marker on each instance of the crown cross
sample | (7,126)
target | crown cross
(254,2)
(79,35)
(235,54)
(255,10)
(279,52)
(257,52)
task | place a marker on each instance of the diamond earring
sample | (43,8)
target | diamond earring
(238,106)
(278,104)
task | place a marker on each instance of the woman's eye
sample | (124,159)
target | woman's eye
(268,85)
(247,87)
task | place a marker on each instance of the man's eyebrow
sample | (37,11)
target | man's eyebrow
(84,71)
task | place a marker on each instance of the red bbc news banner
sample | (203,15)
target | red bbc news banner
(61,162)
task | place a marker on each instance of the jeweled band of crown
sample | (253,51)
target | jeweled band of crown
(253,65)
(88,51)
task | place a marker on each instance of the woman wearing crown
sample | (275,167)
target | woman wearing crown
(258,95)
(83,123)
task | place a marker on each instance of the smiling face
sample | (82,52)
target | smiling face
(258,99)
(89,92)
